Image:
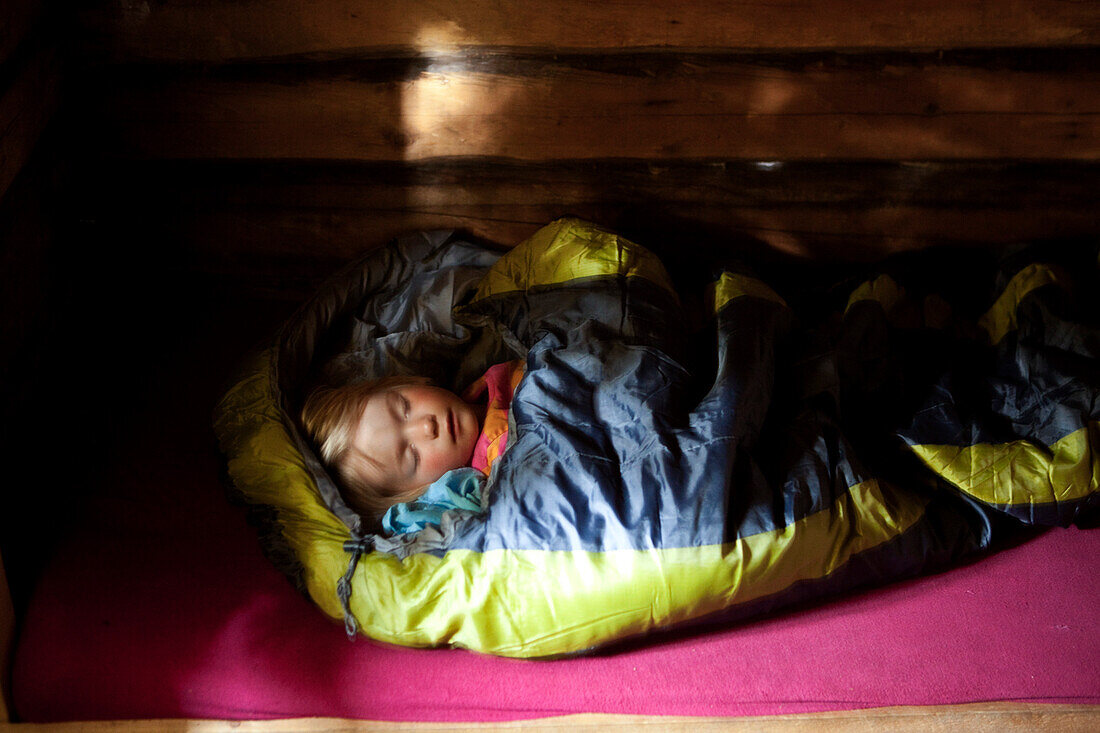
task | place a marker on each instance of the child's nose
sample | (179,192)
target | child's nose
(430,427)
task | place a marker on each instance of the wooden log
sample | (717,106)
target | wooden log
(289,224)
(341,185)
(702,108)
(25,108)
(183,30)
(816,232)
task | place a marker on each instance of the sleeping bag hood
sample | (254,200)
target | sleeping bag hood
(680,451)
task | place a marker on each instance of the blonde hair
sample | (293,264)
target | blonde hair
(331,416)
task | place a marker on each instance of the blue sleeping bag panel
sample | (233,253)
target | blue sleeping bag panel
(680,452)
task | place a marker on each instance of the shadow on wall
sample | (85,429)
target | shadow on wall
(315,151)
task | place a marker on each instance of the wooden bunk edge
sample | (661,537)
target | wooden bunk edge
(995,717)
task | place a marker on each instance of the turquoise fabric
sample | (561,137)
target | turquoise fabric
(457,490)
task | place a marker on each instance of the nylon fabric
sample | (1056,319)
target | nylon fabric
(653,587)
(733,285)
(667,466)
(570,250)
(999,320)
(882,290)
(262,458)
(1020,477)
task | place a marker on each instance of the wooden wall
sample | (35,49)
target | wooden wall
(288,135)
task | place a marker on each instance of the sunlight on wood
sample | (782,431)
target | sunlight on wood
(447,110)
(443,38)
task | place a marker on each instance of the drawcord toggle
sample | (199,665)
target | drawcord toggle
(357,547)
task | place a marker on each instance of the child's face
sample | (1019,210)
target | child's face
(410,436)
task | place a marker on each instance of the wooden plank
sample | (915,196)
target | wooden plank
(817,232)
(286,226)
(291,252)
(712,108)
(341,186)
(975,718)
(25,108)
(16,19)
(210,32)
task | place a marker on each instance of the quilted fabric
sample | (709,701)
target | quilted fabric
(682,450)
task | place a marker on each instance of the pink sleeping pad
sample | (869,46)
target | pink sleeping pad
(138,620)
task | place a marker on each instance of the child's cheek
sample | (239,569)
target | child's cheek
(443,461)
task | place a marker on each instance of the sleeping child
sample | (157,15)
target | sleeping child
(407,451)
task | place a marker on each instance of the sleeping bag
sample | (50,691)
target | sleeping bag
(699,450)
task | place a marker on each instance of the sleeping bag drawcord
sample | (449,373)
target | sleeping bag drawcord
(343,586)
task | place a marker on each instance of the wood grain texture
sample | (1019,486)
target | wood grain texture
(345,185)
(703,108)
(288,254)
(214,32)
(25,108)
(975,718)
(253,240)
(236,215)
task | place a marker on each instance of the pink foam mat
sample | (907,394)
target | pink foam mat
(135,619)
(161,605)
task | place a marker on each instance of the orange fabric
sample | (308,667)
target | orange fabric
(499,382)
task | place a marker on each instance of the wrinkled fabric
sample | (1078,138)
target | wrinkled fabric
(498,384)
(458,490)
(710,449)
